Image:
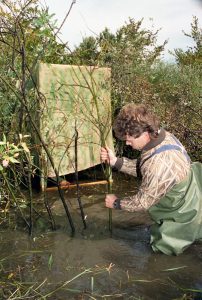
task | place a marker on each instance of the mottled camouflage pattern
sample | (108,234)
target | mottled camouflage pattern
(159,174)
(74,96)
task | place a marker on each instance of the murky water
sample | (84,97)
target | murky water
(93,264)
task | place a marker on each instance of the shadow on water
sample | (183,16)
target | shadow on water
(119,267)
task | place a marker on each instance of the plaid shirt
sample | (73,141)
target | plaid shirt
(160,172)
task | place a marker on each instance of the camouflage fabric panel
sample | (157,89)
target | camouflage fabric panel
(76,98)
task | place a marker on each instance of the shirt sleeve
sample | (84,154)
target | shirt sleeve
(127,166)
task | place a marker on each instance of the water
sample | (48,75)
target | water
(119,267)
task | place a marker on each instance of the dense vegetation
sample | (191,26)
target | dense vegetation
(139,75)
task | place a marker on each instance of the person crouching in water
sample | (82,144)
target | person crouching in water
(171,188)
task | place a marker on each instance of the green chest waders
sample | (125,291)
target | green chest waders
(178,215)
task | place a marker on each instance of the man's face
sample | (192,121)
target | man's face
(138,143)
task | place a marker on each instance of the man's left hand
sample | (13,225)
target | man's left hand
(109,200)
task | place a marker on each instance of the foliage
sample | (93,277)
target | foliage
(172,91)
(87,52)
(130,53)
(14,159)
(177,89)
(176,99)
(8,153)
(26,36)
(192,56)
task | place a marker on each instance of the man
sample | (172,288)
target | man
(171,188)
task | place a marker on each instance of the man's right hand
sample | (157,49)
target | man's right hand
(107,156)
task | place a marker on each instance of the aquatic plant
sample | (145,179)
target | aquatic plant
(11,156)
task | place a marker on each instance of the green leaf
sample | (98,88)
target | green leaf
(13,160)
(4,138)
(24,146)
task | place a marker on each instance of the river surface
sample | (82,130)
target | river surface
(95,264)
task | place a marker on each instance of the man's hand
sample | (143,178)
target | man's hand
(109,200)
(107,156)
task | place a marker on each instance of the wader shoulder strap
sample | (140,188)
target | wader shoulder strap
(163,148)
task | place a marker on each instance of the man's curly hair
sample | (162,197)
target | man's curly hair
(133,120)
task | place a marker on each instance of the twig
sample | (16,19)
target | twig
(73,2)
(77,178)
